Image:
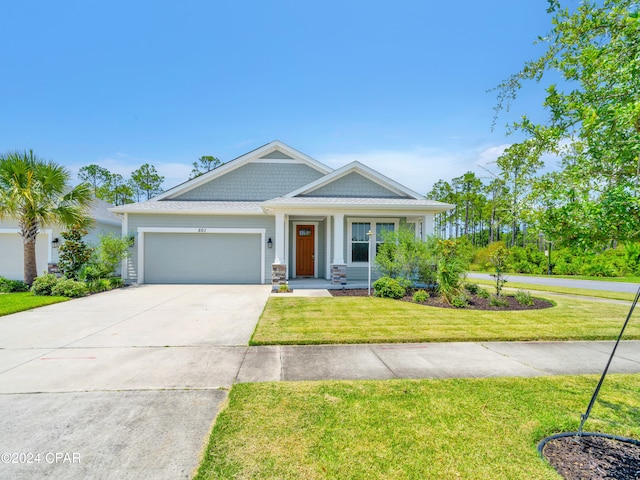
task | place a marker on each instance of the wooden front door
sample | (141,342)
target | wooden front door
(305,252)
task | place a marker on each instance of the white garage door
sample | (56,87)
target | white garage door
(12,257)
(202,258)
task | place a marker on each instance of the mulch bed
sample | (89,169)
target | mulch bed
(475,302)
(593,458)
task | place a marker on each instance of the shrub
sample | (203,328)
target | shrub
(99,285)
(387,287)
(460,301)
(420,296)
(67,287)
(483,292)
(471,287)
(284,288)
(111,251)
(497,301)
(406,258)
(43,285)
(524,298)
(74,252)
(116,282)
(451,268)
(10,286)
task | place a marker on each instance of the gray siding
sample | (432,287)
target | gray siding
(353,185)
(200,221)
(255,182)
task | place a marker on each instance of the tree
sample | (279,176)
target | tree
(595,108)
(146,182)
(203,165)
(96,176)
(37,192)
(74,252)
(118,191)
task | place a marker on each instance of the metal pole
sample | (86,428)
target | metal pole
(369,234)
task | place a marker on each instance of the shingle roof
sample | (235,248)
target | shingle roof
(169,206)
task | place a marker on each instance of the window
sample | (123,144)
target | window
(359,242)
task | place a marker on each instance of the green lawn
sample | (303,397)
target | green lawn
(556,289)
(299,320)
(426,429)
(628,279)
(17,302)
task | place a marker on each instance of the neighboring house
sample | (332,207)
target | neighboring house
(271,214)
(48,241)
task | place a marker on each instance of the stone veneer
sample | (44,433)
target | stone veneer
(338,274)
(278,275)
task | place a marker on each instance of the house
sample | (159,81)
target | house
(270,215)
(48,241)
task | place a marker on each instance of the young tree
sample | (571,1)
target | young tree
(74,252)
(595,107)
(37,192)
(203,165)
(146,182)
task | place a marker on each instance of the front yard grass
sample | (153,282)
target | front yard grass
(18,302)
(427,429)
(299,320)
(557,289)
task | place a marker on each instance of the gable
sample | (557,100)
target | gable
(277,154)
(353,185)
(255,181)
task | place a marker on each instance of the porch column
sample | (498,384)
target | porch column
(279,268)
(338,266)
(279,240)
(427,226)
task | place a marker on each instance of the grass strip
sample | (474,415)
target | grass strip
(18,302)
(428,429)
(556,289)
(299,320)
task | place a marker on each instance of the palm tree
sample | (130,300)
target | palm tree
(37,192)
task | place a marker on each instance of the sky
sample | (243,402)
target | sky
(403,87)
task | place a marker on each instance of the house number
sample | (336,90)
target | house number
(202,230)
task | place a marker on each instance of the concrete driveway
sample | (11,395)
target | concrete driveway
(124,384)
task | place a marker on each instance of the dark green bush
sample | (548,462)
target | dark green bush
(386,287)
(460,301)
(116,282)
(471,287)
(43,285)
(10,286)
(67,287)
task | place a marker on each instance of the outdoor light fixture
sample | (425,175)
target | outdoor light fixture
(269,243)
(55,241)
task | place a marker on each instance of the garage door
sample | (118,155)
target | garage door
(202,258)
(12,255)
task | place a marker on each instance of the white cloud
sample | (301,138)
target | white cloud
(419,168)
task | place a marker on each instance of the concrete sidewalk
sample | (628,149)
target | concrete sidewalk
(435,360)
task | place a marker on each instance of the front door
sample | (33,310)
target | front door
(305,252)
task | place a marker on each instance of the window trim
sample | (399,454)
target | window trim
(373,225)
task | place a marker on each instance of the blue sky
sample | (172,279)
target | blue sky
(401,86)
